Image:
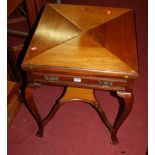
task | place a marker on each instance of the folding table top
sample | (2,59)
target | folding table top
(87,38)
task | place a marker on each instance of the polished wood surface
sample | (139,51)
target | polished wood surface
(78,94)
(71,56)
(83,48)
(82,16)
(86,38)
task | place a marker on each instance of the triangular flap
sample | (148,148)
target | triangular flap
(52,30)
(88,17)
(118,36)
(83,40)
(71,55)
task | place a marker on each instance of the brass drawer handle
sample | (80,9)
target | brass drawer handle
(51,78)
(105,83)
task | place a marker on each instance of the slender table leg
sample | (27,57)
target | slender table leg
(29,102)
(104,118)
(51,113)
(125,105)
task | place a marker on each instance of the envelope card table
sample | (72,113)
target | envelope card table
(83,48)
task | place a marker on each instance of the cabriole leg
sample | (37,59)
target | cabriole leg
(125,99)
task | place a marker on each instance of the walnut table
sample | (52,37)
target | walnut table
(83,48)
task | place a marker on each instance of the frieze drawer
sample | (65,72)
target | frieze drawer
(64,80)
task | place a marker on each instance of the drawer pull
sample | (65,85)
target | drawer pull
(105,83)
(51,78)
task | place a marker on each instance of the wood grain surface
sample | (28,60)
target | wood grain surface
(83,48)
(90,38)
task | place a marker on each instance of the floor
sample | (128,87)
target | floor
(76,128)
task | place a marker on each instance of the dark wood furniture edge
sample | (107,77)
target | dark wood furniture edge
(49,69)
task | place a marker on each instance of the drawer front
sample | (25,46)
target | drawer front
(69,80)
